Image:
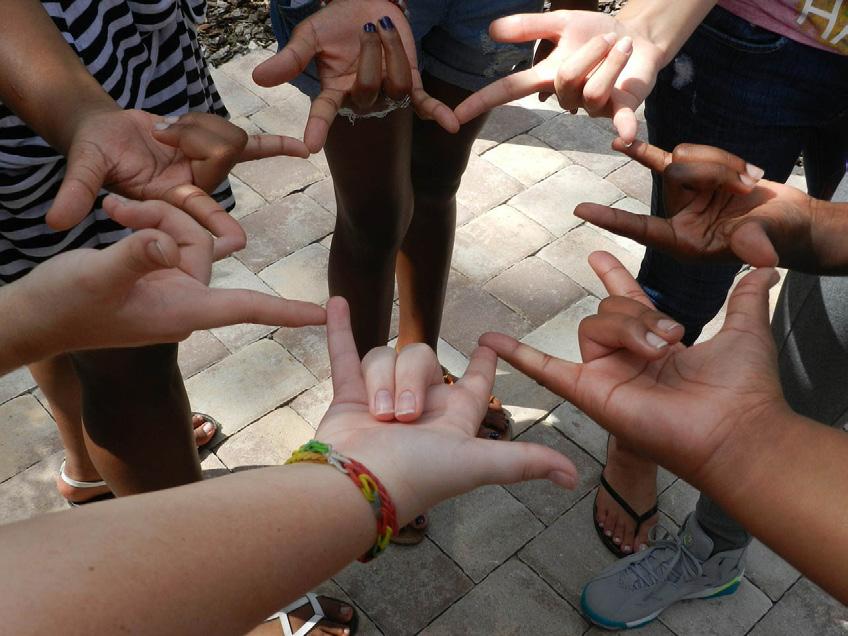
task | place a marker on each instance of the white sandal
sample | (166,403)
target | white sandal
(312,599)
(73,483)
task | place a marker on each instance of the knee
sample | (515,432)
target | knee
(373,229)
(127,371)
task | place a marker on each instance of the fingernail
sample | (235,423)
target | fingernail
(748,181)
(172,119)
(119,198)
(161,125)
(754,172)
(655,341)
(370,27)
(625,45)
(406,403)
(667,325)
(610,38)
(383,402)
(158,254)
(386,23)
(208,428)
(562,479)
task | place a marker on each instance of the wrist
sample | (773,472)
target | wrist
(87,109)
(21,342)
(667,29)
(828,226)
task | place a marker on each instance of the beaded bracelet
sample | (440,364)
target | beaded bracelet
(316,452)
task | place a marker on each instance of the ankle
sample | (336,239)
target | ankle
(622,458)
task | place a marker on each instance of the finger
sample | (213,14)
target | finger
(748,306)
(649,156)
(479,376)
(526,27)
(322,113)
(84,175)
(624,115)
(416,365)
(575,69)
(534,80)
(616,279)
(291,61)
(369,74)
(493,462)
(430,108)
(262,146)
(598,88)
(378,368)
(345,367)
(750,242)
(135,256)
(642,228)
(698,153)
(558,376)
(206,211)
(243,306)
(648,334)
(213,123)
(708,177)
(398,81)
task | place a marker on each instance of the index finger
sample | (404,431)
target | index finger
(526,27)
(345,366)
(649,156)
(616,279)
(291,60)
(534,80)
(206,211)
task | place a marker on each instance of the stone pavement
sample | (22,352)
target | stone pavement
(499,560)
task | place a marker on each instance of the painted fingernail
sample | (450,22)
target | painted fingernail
(161,125)
(383,402)
(610,38)
(564,480)
(370,27)
(625,45)
(386,23)
(208,428)
(754,172)
(655,341)
(667,325)
(406,403)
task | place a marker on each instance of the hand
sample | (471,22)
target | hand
(178,160)
(599,64)
(351,66)
(719,210)
(439,456)
(688,409)
(136,292)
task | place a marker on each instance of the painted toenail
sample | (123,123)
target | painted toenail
(208,428)
(626,548)
(617,541)
(494,435)
(608,533)
(600,524)
(643,547)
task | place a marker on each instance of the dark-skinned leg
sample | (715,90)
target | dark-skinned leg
(369,162)
(137,419)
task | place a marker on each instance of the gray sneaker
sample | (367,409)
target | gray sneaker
(636,589)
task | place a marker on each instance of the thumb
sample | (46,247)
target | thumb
(290,61)
(750,242)
(494,462)
(748,307)
(137,255)
(84,176)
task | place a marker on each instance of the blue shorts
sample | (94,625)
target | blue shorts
(452,38)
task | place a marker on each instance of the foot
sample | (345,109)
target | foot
(413,532)
(336,622)
(496,424)
(204,430)
(635,590)
(635,479)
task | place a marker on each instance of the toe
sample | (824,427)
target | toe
(628,541)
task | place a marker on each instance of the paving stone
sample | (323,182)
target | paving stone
(480,530)
(558,336)
(805,609)
(505,122)
(546,500)
(679,500)
(462,328)
(14,383)
(309,346)
(247,126)
(313,404)
(247,200)
(512,601)
(405,589)
(551,202)
(32,491)
(323,194)
(241,69)
(493,241)
(239,100)
(27,435)
(231,274)
(248,384)
(302,275)
(651,629)
(582,142)
(275,177)
(535,289)
(570,255)
(527,400)
(634,180)
(288,118)
(212,467)
(725,616)
(527,159)
(484,186)
(201,350)
(769,572)
(269,441)
(283,227)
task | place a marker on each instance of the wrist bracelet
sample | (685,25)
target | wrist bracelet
(315,452)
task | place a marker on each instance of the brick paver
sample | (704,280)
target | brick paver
(497,561)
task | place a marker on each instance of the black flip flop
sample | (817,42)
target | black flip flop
(611,545)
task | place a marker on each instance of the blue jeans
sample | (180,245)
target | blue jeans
(761,96)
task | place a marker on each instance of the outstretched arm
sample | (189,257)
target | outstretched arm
(712,413)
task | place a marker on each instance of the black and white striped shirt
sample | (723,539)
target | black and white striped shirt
(146,55)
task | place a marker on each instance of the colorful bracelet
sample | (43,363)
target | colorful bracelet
(315,452)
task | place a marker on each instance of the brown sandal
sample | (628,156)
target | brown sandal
(413,532)
(497,424)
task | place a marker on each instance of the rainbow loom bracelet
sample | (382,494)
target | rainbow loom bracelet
(315,452)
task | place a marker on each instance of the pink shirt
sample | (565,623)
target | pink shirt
(819,23)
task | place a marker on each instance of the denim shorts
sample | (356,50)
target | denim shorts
(452,38)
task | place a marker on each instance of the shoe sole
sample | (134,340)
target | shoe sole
(723,590)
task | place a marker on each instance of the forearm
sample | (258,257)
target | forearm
(828,240)
(275,533)
(666,24)
(43,81)
(785,482)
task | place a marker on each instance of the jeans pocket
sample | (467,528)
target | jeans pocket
(739,34)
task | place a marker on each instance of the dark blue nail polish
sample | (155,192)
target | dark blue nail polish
(386,23)
(370,28)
